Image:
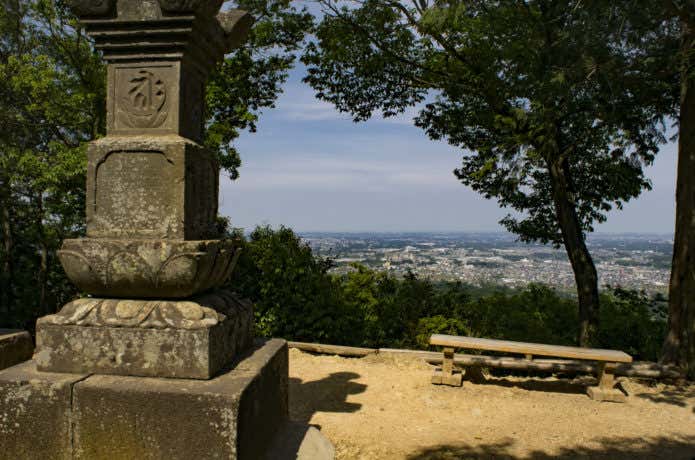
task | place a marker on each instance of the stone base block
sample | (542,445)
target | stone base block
(454,380)
(35,413)
(606,394)
(15,347)
(236,415)
(299,441)
(178,339)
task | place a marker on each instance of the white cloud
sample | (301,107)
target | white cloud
(313,110)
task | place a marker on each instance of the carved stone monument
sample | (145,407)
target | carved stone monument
(180,374)
(152,193)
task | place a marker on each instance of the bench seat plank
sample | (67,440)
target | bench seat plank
(539,349)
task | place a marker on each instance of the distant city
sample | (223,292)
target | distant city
(637,261)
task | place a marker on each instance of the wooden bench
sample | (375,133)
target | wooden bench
(606,360)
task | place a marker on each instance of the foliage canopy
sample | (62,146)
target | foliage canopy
(52,91)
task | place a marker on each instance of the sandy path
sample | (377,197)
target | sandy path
(380,408)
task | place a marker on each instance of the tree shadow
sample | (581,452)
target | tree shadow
(326,395)
(529,384)
(677,448)
(680,396)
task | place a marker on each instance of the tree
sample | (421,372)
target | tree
(51,88)
(555,106)
(250,79)
(52,91)
(679,346)
(294,295)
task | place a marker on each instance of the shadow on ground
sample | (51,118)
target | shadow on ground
(326,395)
(679,396)
(575,386)
(682,448)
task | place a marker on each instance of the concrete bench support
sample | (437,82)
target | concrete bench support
(606,389)
(447,375)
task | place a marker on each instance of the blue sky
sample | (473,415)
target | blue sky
(313,169)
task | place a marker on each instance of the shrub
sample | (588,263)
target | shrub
(633,322)
(294,295)
(297,298)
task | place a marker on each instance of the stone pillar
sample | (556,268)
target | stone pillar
(152,259)
(185,377)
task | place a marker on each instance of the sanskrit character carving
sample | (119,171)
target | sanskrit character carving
(144,100)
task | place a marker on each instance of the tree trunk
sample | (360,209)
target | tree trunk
(6,278)
(43,254)
(583,266)
(679,346)
(8,249)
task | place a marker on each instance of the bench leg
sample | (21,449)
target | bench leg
(447,375)
(606,390)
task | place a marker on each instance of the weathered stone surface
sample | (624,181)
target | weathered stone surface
(35,413)
(65,416)
(142,187)
(152,189)
(299,441)
(233,416)
(190,6)
(315,446)
(168,30)
(191,339)
(155,97)
(15,347)
(145,269)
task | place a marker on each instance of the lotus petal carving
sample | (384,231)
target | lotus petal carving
(198,313)
(77,266)
(148,269)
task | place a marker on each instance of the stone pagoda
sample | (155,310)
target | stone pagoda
(158,360)
(152,193)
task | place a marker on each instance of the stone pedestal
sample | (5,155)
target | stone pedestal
(35,413)
(190,339)
(235,415)
(15,347)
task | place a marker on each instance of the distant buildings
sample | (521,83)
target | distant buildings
(631,261)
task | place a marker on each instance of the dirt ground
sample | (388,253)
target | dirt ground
(385,408)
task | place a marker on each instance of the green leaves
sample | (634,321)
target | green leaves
(515,84)
(366,59)
(294,294)
(52,91)
(251,78)
(297,298)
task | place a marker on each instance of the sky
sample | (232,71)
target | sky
(312,169)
